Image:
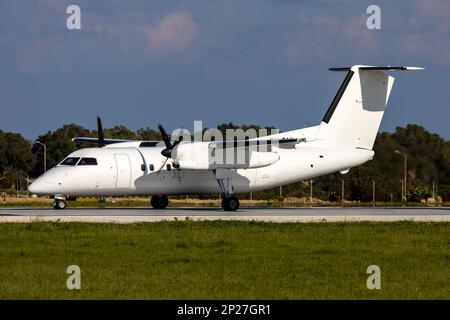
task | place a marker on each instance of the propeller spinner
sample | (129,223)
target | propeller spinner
(167,152)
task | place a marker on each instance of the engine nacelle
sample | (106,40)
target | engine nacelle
(206,156)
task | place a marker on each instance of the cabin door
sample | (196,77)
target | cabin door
(123,177)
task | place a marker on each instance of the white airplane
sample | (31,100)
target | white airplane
(344,139)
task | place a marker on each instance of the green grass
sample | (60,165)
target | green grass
(225,260)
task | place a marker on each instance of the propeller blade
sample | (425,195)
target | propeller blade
(177,142)
(101,137)
(164,136)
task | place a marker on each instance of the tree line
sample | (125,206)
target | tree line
(428,163)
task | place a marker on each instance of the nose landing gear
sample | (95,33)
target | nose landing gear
(59,204)
(159,202)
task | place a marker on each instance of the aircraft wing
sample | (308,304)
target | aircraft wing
(282,143)
(95,140)
(112,141)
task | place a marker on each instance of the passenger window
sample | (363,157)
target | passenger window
(152,167)
(70,161)
(88,162)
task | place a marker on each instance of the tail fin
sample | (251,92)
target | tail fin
(355,114)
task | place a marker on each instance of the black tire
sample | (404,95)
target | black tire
(159,202)
(154,202)
(59,204)
(230,204)
(163,202)
(224,204)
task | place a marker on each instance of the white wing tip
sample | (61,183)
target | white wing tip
(414,68)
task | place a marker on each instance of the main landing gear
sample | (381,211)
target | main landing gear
(159,202)
(59,204)
(230,203)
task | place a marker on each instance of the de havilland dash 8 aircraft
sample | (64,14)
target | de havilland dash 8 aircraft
(343,139)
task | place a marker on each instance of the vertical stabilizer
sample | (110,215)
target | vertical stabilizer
(355,114)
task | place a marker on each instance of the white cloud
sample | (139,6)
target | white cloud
(174,34)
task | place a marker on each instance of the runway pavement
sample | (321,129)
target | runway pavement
(284,214)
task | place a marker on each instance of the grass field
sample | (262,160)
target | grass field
(225,260)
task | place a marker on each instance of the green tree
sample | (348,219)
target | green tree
(224,126)
(428,162)
(149,134)
(120,132)
(59,144)
(16,158)
(417,194)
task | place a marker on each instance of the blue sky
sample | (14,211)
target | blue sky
(141,62)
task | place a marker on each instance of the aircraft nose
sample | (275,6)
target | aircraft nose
(39,187)
(45,186)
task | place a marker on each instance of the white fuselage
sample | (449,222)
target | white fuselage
(126,171)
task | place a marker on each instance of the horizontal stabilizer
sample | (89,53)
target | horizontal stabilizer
(381,68)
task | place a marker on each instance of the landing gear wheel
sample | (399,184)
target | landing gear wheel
(59,204)
(230,204)
(159,202)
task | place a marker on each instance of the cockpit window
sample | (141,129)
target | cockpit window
(70,161)
(88,162)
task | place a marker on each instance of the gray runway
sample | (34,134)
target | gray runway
(284,214)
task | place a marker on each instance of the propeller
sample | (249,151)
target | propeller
(101,137)
(167,152)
